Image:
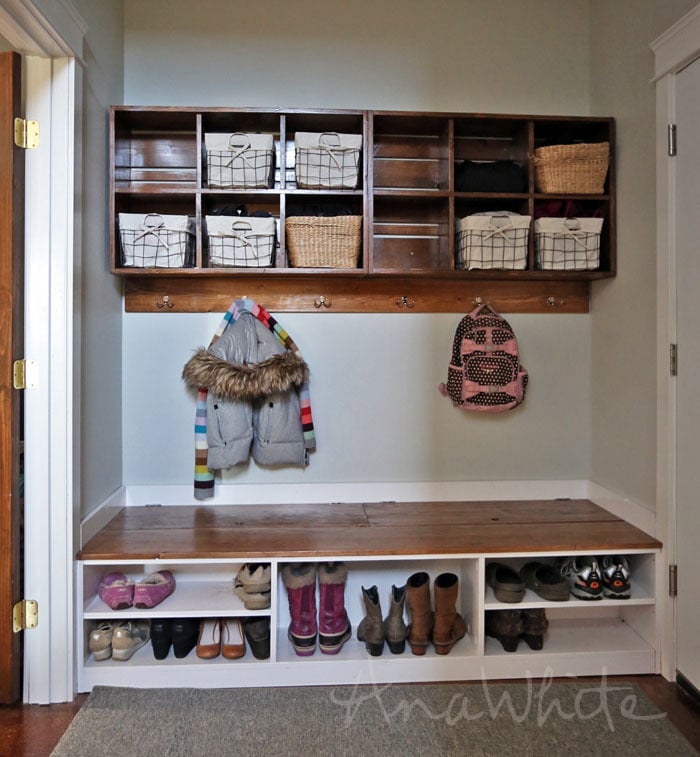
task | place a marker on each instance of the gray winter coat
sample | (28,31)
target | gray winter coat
(253,398)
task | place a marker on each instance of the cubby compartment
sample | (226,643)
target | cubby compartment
(154,148)
(491,156)
(410,154)
(411,234)
(324,122)
(237,207)
(241,122)
(384,574)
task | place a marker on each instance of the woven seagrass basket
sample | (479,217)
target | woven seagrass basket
(323,241)
(573,169)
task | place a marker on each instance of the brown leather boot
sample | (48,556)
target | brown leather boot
(449,624)
(418,600)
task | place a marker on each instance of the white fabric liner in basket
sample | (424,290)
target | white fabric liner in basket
(495,240)
(327,160)
(568,244)
(152,240)
(240,241)
(239,160)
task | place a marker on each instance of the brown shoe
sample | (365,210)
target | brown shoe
(449,624)
(209,641)
(232,641)
(418,600)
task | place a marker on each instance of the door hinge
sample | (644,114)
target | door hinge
(25,374)
(25,614)
(672,580)
(26,133)
(672,140)
(673,360)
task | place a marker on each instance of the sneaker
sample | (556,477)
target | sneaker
(616,577)
(100,641)
(117,591)
(583,575)
(153,590)
(128,638)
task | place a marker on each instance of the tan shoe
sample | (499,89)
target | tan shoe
(232,641)
(128,638)
(209,641)
(100,642)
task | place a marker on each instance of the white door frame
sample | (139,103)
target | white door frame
(673,51)
(49,34)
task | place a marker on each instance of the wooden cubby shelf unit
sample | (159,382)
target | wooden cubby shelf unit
(406,195)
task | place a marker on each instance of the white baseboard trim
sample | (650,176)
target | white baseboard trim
(102,514)
(333,493)
(624,508)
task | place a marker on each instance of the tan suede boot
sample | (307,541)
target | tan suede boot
(371,628)
(394,627)
(418,599)
(449,625)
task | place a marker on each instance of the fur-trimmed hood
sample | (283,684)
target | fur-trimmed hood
(274,375)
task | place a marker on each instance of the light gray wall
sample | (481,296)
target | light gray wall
(623,441)
(99,321)
(378,414)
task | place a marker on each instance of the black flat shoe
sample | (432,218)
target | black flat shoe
(184,636)
(160,638)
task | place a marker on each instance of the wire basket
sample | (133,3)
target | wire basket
(572,169)
(323,241)
(239,160)
(240,242)
(152,240)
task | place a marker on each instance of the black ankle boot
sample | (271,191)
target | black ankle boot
(184,634)
(535,623)
(160,638)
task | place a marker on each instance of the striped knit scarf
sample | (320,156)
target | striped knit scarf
(203,477)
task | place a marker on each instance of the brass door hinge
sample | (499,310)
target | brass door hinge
(26,133)
(25,614)
(24,374)
(673,361)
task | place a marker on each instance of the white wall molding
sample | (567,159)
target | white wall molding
(402,491)
(102,515)
(623,507)
(48,28)
(677,46)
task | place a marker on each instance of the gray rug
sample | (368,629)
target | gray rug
(531,718)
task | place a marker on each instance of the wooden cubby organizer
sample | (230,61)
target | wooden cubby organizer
(382,544)
(405,194)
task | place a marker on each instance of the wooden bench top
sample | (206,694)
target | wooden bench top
(357,529)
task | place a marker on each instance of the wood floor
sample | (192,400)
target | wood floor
(34,730)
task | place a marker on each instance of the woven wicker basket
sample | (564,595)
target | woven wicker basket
(573,169)
(323,241)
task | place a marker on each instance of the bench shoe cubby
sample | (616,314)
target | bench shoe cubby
(583,638)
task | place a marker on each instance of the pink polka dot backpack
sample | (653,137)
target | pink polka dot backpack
(485,374)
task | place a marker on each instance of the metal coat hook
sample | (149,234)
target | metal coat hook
(165,303)
(477,301)
(322,302)
(554,302)
(405,302)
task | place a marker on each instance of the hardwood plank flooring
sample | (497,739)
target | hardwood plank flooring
(34,730)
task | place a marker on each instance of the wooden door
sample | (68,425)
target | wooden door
(11,347)
(688,405)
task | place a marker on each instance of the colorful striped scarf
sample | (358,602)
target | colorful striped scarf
(203,477)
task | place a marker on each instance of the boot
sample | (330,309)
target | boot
(333,624)
(506,626)
(449,624)
(421,626)
(371,628)
(535,623)
(300,582)
(394,627)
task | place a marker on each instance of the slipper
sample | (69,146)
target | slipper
(507,585)
(546,581)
